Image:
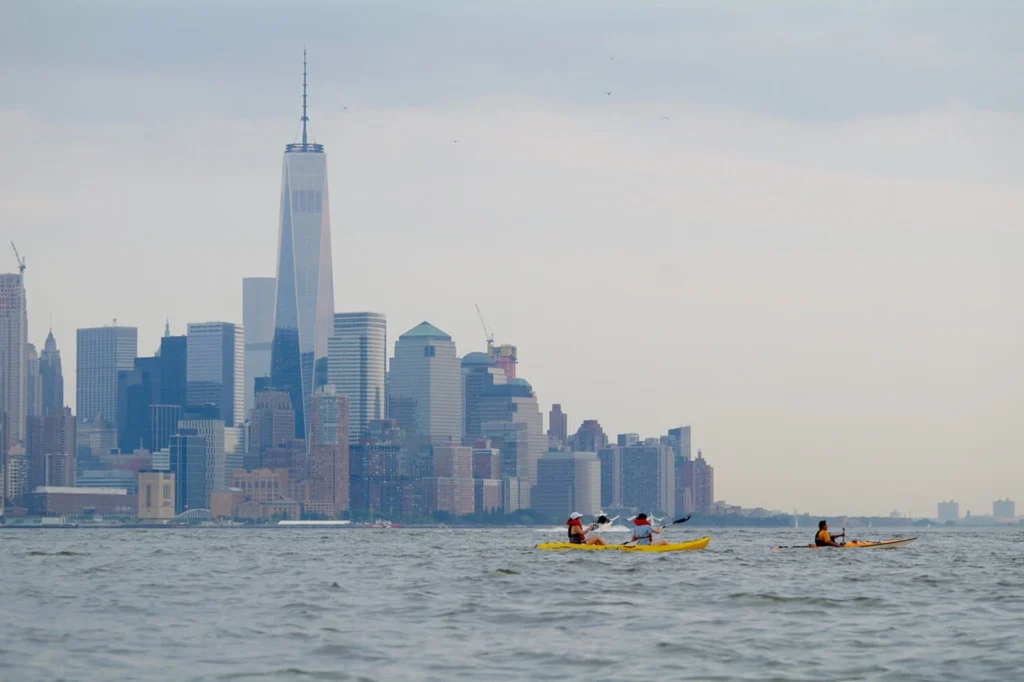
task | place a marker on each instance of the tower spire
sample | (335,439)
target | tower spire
(305,118)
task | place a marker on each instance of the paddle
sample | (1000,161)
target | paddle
(661,528)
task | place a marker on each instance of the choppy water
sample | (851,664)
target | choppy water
(484,605)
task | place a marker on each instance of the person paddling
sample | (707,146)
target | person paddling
(826,539)
(578,535)
(643,532)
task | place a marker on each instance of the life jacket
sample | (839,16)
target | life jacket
(579,537)
(819,541)
(643,531)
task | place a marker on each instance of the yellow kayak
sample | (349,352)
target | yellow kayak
(861,544)
(673,547)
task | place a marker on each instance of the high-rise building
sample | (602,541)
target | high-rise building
(258,321)
(558,425)
(610,458)
(51,450)
(52,376)
(328,453)
(13,349)
(101,353)
(163,422)
(215,366)
(627,439)
(703,485)
(568,482)
(174,371)
(487,462)
(949,511)
(479,373)
(426,385)
(356,360)
(681,445)
(506,356)
(188,455)
(33,382)
(271,424)
(304,305)
(1004,509)
(515,401)
(648,478)
(590,437)
(137,390)
(451,488)
(213,454)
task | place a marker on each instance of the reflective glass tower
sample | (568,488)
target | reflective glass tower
(304,300)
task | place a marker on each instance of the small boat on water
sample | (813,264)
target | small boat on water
(860,544)
(672,547)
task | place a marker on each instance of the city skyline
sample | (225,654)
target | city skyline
(797,330)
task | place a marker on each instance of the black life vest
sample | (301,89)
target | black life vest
(818,542)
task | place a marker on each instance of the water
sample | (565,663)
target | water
(210,604)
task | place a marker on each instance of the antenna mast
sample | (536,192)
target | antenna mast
(305,119)
(21,261)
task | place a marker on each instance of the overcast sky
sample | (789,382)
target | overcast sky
(815,260)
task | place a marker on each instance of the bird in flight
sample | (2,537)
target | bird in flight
(612,57)
(345,108)
(608,92)
(455,141)
(664,118)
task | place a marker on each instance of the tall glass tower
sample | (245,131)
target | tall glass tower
(304,305)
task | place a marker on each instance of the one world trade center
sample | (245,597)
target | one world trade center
(304,306)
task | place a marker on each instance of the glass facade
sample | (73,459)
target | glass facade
(258,320)
(425,391)
(102,352)
(304,299)
(215,369)
(356,360)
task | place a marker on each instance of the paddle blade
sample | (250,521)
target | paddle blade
(682,520)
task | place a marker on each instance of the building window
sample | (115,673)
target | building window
(429,352)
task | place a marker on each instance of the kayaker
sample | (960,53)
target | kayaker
(824,538)
(643,532)
(578,534)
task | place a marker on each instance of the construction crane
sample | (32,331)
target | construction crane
(487,334)
(21,261)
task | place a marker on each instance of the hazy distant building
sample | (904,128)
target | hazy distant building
(356,361)
(1004,509)
(590,437)
(156,495)
(271,424)
(506,356)
(52,377)
(568,482)
(33,383)
(304,298)
(101,353)
(681,438)
(949,511)
(13,350)
(137,390)
(515,401)
(163,423)
(328,453)
(558,425)
(487,462)
(703,485)
(426,385)
(258,322)
(216,372)
(648,478)
(479,374)
(627,439)
(51,450)
(451,488)
(209,457)
(174,371)
(610,459)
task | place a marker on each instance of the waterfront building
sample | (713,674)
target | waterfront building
(949,511)
(1004,509)
(479,374)
(568,482)
(13,350)
(328,453)
(156,495)
(50,449)
(648,478)
(356,363)
(590,437)
(304,298)
(516,402)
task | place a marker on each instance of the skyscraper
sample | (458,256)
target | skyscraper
(479,373)
(174,371)
(568,482)
(52,376)
(590,437)
(356,360)
(51,450)
(33,382)
(258,320)
(426,385)
(558,425)
(515,401)
(212,454)
(101,353)
(648,478)
(681,435)
(271,424)
(13,349)
(328,453)
(216,369)
(304,305)
(137,390)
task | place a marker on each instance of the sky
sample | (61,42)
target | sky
(796,226)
